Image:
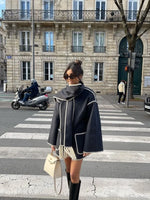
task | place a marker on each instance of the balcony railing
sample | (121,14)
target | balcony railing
(70,15)
(77,48)
(99,49)
(24,48)
(47,48)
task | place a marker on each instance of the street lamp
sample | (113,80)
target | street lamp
(33,57)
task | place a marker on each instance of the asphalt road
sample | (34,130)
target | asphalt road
(15,159)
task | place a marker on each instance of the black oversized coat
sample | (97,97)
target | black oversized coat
(76,120)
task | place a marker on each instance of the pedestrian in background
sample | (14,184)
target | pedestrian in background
(124,95)
(121,89)
(76,128)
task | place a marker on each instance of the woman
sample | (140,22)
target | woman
(75,129)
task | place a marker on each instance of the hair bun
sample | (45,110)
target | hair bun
(79,62)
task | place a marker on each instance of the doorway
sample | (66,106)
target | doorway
(123,61)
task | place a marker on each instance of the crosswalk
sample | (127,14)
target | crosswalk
(111,173)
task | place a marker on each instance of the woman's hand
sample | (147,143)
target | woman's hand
(53,148)
(85,154)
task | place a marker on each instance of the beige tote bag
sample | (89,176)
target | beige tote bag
(52,166)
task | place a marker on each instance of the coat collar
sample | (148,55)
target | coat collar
(70,91)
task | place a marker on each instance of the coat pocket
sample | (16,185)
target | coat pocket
(79,140)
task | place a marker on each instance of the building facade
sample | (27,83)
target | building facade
(3,69)
(67,30)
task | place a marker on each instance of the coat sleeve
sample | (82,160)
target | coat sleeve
(93,138)
(54,126)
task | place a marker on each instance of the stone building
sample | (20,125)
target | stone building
(66,30)
(2,54)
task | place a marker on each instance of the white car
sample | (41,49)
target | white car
(147,104)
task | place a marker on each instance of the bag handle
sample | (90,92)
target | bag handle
(58,192)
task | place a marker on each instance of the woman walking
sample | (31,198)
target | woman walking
(75,129)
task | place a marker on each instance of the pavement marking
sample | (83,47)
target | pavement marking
(120,122)
(104,128)
(118,114)
(120,156)
(126,129)
(105,156)
(133,139)
(101,113)
(117,117)
(106,110)
(27,136)
(102,121)
(44,136)
(39,119)
(39,126)
(102,117)
(42,115)
(45,111)
(42,186)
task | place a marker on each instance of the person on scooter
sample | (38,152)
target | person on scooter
(31,91)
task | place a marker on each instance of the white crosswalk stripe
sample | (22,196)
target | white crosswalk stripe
(102,121)
(92,188)
(106,138)
(38,186)
(105,156)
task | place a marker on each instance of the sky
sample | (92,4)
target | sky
(2,5)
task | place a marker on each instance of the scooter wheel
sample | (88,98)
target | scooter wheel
(43,106)
(15,105)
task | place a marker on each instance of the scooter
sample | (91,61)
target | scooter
(41,101)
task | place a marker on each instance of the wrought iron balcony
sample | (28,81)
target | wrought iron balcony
(77,48)
(48,48)
(70,15)
(99,49)
(24,48)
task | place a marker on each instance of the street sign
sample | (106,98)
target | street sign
(9,57)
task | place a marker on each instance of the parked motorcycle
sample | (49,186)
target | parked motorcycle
(41,101)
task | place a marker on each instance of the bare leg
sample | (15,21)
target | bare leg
(68,163)
(75,168)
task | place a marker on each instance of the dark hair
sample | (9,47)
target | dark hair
(76,68)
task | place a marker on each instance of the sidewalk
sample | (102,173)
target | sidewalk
(134,104)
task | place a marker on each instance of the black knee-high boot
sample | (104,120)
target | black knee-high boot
(68,178)
(74,190)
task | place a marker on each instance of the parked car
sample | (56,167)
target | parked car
(147,104)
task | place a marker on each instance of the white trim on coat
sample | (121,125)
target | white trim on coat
(83,133)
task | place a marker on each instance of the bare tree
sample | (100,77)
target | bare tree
(134,32)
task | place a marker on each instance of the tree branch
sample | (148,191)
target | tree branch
(139,36)
(142,19)
(139,12)
(116,2)
(120,7)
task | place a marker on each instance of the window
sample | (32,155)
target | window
(1,54)
(77,9)
(77,42)
(25,70)
(48,71)
(1,39)
(48,42)
(132,9)
(25,41)
(48,7)
(100,9)
(98,72)
(99,42)
(25,9)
